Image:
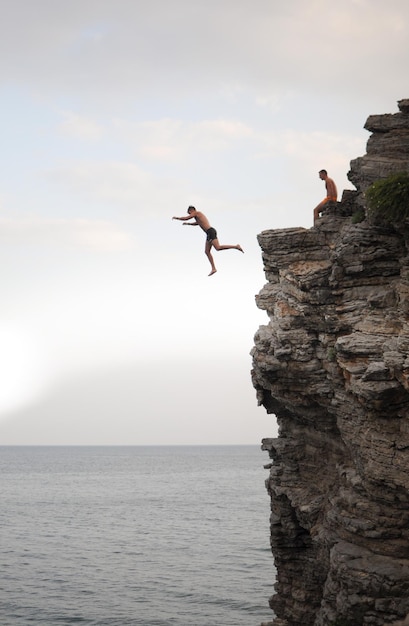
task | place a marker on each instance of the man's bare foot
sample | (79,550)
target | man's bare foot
(238,247)
(213,272)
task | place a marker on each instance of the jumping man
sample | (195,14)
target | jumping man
(211,234)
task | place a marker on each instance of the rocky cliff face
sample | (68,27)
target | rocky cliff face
(333,366)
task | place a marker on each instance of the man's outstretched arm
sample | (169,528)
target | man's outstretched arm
(184,218)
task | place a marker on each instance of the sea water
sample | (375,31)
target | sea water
(149,536)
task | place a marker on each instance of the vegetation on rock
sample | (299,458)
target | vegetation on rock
(388,198)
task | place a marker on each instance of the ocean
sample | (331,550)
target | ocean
(147,536)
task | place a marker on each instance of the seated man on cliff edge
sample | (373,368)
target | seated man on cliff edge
(331,196)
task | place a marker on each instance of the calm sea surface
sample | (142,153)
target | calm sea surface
(150,536)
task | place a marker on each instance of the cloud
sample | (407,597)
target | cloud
(80,127)
(114,50)
(121,185)
(175,139)
(315,146)
(179,141)
(176,153)
(94,235)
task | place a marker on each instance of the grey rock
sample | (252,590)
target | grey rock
(332,364)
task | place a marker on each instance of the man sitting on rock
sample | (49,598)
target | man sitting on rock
(331,196)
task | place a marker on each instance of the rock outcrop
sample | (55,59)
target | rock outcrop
(333,366)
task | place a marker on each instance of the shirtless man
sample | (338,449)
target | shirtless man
(211,234)
(331,193)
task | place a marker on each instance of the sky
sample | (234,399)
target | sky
(117,115)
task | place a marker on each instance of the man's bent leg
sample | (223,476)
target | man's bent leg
(218,247)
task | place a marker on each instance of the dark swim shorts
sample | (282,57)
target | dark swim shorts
(211,234)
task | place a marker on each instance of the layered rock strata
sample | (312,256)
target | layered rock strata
(333,365)
(387,150)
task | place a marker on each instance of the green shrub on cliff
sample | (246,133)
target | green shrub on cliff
(388,198)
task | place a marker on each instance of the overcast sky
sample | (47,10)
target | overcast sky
(118,114)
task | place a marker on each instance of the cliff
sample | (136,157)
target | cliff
(333,366)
